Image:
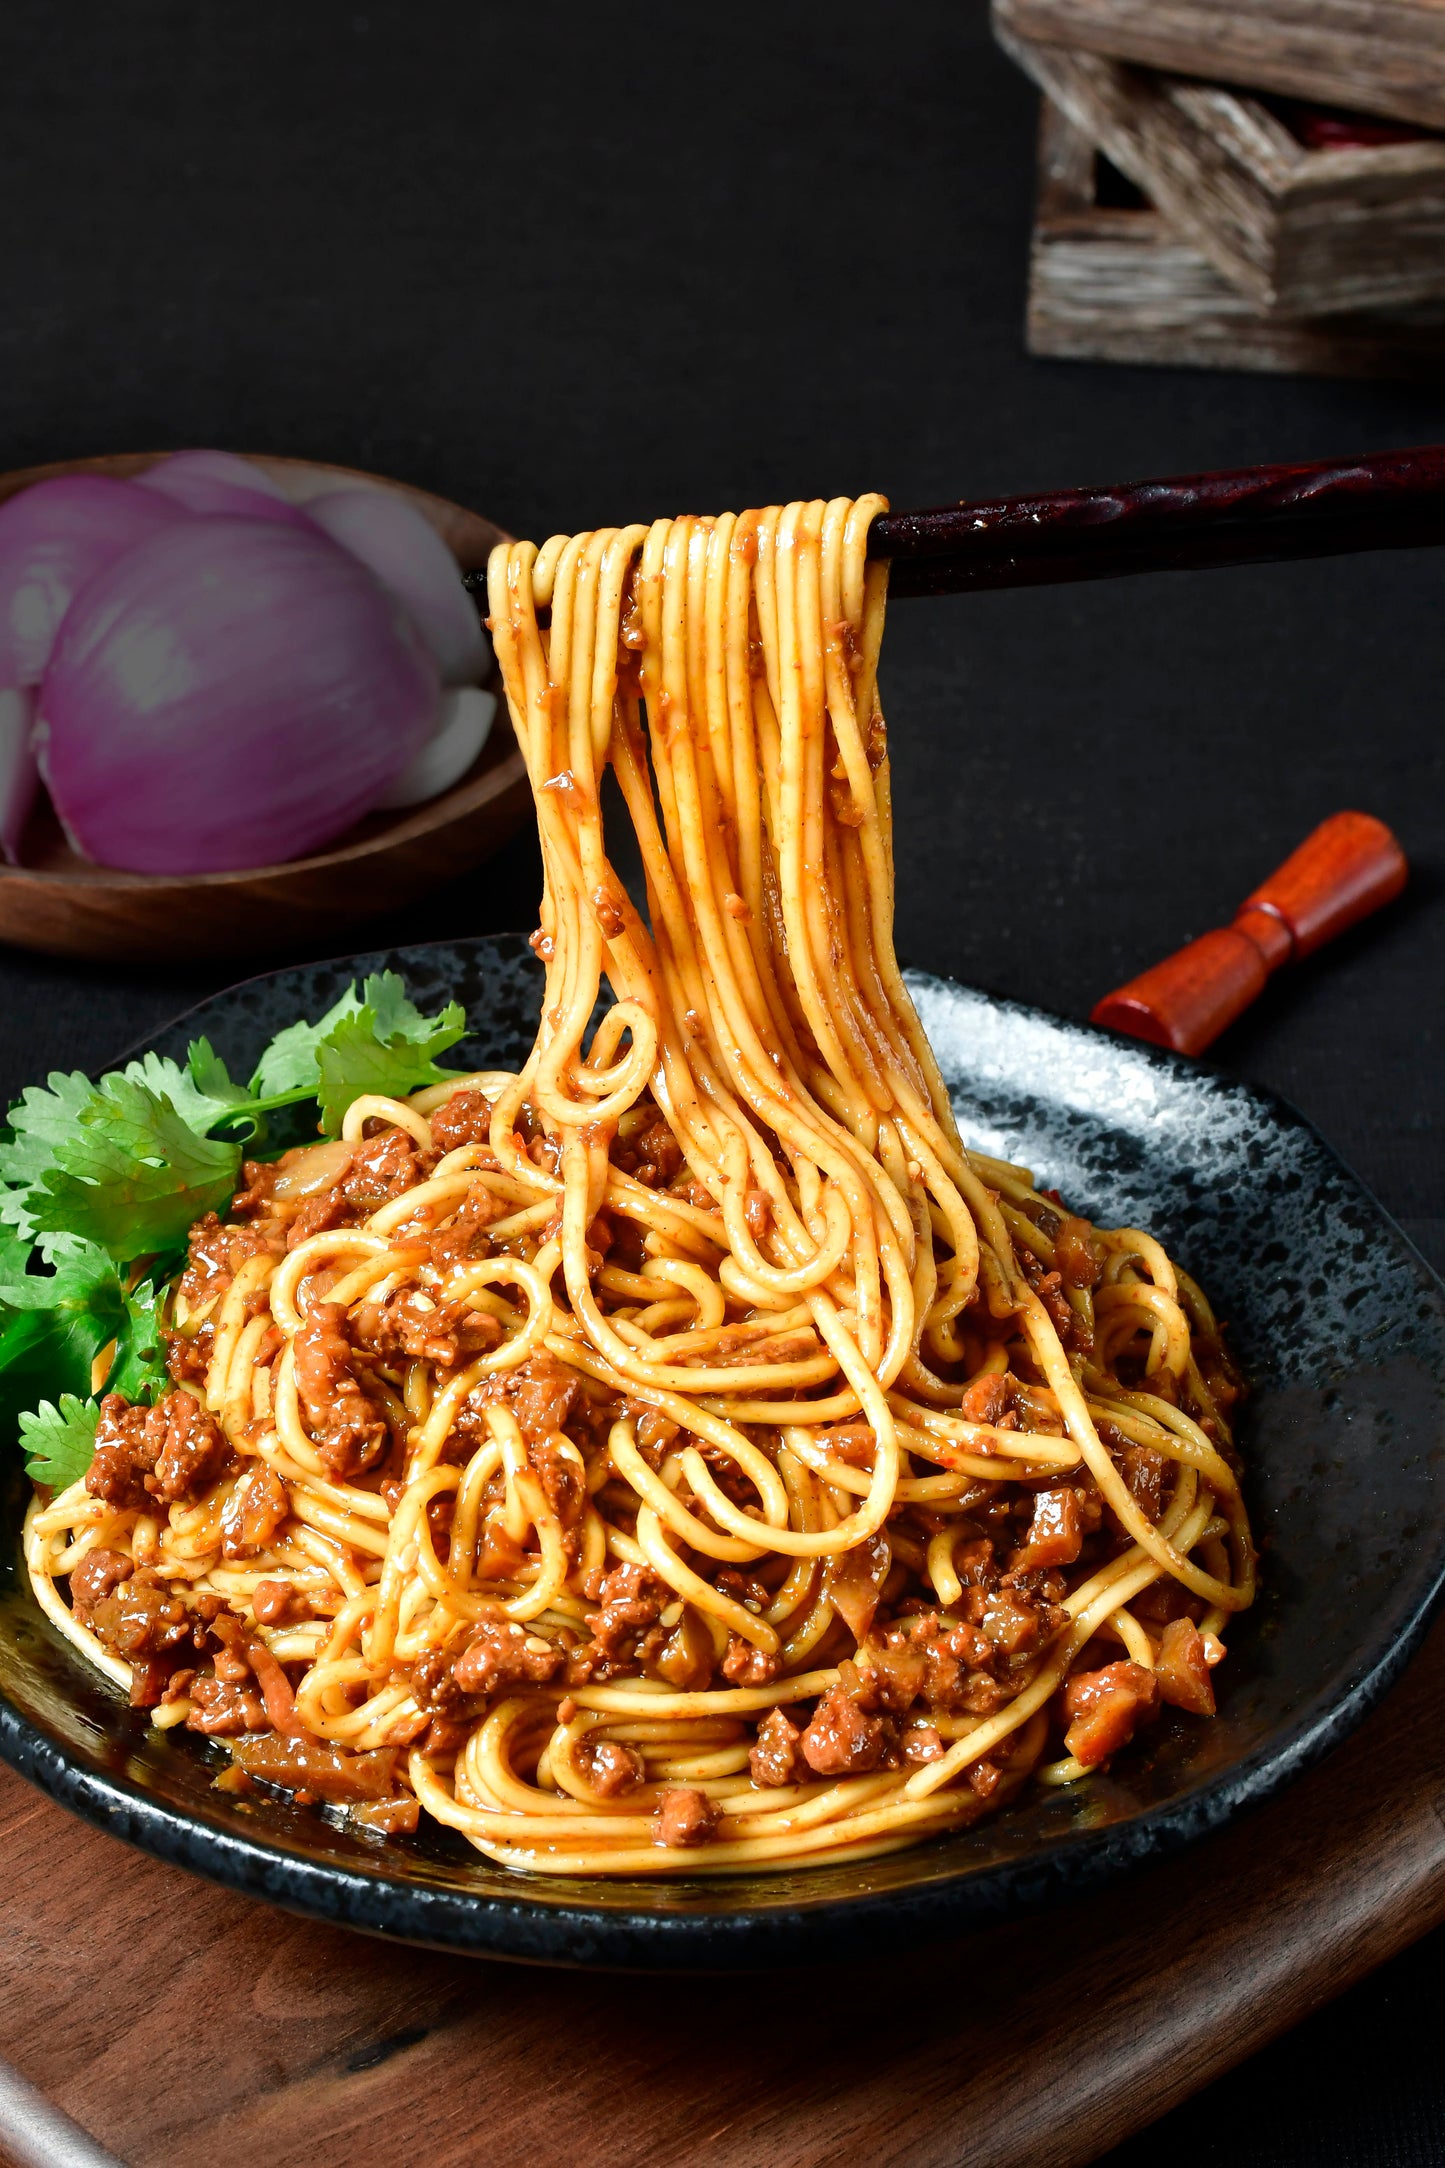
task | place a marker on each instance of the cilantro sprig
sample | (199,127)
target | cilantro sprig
(59,1442)
(101,1182)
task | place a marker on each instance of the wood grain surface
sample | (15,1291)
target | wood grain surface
(1370,56)
(1304,232)
(184,2027)
(1109,283)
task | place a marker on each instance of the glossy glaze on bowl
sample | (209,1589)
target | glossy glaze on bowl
(1339,1323)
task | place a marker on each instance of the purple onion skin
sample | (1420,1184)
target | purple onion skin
(232,693)
(54,538)
(219,483)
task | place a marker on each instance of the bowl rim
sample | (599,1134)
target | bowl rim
(534,1927)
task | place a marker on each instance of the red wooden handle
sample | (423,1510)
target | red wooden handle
(1349,867)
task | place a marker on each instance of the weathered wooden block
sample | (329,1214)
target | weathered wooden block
(1302,230)
(1371,56)
(1114,281)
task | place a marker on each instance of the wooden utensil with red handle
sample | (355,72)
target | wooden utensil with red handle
(1349,867)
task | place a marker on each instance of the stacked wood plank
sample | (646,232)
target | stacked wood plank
(1248,230)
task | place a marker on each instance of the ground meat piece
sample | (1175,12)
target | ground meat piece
(920,1657)
(564,1484)
(1078,1253)
(891,1668)
(1104,1707)
(93,1579)
(317,1215)
(1055,1533)
(986,1399)
(434,1688)
(256,1196)
(124,1454)
(1049,1287)
(465,1235)
(254,1511)
(632,1600)
(502,1653)
(464,1118)
(842,1740)
(984,1777)
(411,1324)
(383,1166)
(541,1393)
(609,1768)
(350,1434)
(217,1254)
(273,1602)
(746,1665)
(652,1154)
(173,1451)
(224,1711)
(188,1355)
(774,1759)
(1183,1670)
(1145,1470)
(855,1444)
(141,1620)
(196,1452)
(685,1816)
(922,1743)
(1018,1622)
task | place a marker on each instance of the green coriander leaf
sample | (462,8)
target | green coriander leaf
(289,1062)
(211,1077)
(139,1370)
(43,1118)
(131,1174)
(59,1443)
(81,1271)
(53,1325)
(198,1108)
(398,1017)
(359,1056)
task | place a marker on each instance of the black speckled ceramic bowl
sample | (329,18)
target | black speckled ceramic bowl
(1339,1323)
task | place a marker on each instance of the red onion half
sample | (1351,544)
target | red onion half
(230,693)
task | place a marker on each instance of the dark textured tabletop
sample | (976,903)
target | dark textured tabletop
(573,266)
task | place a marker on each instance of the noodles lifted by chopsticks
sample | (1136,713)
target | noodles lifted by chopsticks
(699,1461)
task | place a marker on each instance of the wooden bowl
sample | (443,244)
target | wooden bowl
(58,903)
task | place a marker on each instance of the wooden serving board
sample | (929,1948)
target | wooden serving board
(184,2027)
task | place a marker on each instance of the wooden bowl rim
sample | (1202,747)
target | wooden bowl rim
(466,797)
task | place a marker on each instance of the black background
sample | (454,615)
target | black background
(580,265)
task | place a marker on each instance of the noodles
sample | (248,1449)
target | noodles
(684,1455)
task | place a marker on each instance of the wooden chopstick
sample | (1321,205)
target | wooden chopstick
(1187,523)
